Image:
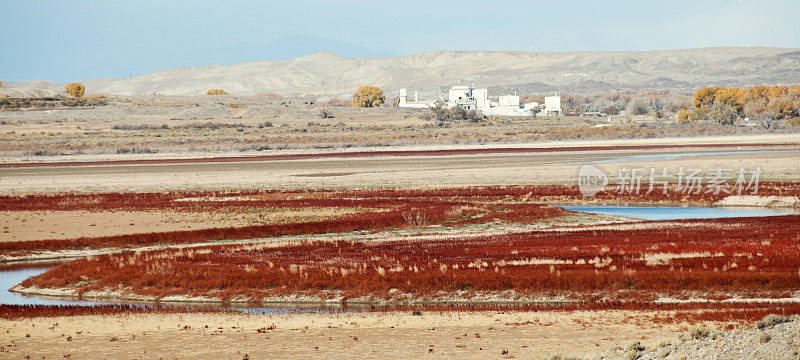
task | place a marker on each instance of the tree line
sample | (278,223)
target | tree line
(729,105)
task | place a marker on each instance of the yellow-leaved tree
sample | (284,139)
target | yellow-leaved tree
(216,92)
(731,97)
(76,89)
(685,116)
(368,96)
(705,96)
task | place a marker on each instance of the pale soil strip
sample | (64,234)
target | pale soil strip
(392,335)
(414,172)
(761,201)
(55,225)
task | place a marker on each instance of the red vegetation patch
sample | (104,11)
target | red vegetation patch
(748,257)
(391,208)
(243,199)
(12,312)
(394,209)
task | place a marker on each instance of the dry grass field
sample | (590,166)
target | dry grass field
(257,124)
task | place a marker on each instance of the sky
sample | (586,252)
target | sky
(80,40)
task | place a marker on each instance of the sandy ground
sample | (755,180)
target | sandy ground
(394,335)
(45,225)
(456,170)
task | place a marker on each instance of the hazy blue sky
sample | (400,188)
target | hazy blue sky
(79,40)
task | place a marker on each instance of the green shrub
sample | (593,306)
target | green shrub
(771,320)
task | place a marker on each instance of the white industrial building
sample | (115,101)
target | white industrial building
(552,105)
(470,98)
(416,103)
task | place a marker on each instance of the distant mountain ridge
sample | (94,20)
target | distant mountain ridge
(325,73)
(135,62)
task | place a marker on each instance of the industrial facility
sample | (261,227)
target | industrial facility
(470,98)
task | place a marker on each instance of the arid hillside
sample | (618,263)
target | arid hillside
(326,73)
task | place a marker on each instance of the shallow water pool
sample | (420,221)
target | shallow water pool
(680,213)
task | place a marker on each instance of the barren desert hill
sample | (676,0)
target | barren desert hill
(325,73)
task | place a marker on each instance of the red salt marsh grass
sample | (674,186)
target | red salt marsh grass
(352,197)
(687,313)
(748,257)
(12,312)
(390,208)
(392,213)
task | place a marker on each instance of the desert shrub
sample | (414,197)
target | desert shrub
(233,106)
(136,151)
(441,114)
(639,109)
(699,333)
(139,127)
(45,153)
(611,110)
(793,121)
(93,100)
(368,96)
(325,114)
(764,337)
(209,125)
(75,89)
(724,113)
(216,92)
(685,116)
(1,84)
(335,102)
(771,320)
(635,346)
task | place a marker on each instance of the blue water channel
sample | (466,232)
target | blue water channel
(680,213)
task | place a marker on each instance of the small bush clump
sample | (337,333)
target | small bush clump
(771,320)
(136,151)
(456,114)
(699,333)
